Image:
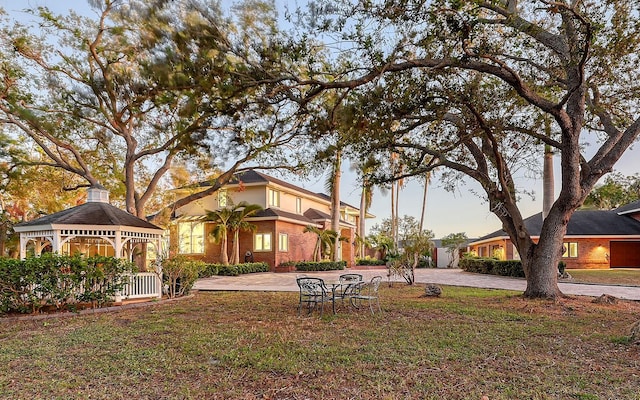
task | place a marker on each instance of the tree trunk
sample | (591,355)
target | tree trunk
(224,257)
(393,215)
(235,252)
(547,182)
(396,239)
(424,199)
(540,261)
(3,238)
(361,221)
(335,204)
(542,276)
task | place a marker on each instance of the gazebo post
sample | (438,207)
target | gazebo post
(23,246)
(56,244)
(118,245)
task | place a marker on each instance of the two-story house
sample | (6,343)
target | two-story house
(279,237)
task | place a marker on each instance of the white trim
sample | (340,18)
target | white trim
(635,210)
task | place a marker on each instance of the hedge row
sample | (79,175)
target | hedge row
(492,266)
(234,270)
(320,265)
(60,282)
(370,261)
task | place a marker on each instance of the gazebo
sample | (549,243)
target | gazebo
(95,227)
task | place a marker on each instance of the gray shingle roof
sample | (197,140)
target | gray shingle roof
(274,213)
(627,208)
(583,223)
(94,213)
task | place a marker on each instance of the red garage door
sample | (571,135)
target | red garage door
(625,254)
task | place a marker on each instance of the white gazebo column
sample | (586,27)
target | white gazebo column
(118,244)
(158,265)
(56,243)
(23,246)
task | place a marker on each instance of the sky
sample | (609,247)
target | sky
(446,212)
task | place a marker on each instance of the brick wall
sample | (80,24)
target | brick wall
(592,253)
(301,244)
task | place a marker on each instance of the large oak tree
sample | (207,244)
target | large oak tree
(120,97)
(474,84)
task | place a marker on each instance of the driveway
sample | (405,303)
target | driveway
(274,282)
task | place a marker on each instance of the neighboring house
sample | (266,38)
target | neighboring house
(441,256)
(279,236)
(594,239)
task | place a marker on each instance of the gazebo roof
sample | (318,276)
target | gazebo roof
(92,213)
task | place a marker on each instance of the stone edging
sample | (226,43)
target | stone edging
(88,311)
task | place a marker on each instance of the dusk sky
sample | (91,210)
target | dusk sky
(446,212)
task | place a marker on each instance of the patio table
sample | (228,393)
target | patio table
(333,286)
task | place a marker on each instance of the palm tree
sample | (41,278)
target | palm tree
(427,180)
(366,197)
(221,218)
(333,183)
(361,243)
(325,238)
(396,186)
(239,222)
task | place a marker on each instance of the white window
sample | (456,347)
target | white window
(274,198)
(283,242)
(191,237)
(298,205)
(570,250)
(262,242)
(222,198)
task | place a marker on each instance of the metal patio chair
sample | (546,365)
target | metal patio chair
(369,292)
(313,292)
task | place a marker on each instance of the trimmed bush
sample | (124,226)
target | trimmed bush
(492,266)
(320,265)
(234,270)
(60,282)
(180,274)
(369,261)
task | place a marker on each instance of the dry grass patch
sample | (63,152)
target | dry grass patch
(614,276)
(463,345)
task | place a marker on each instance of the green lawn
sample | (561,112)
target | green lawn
(466,344)
(630,277)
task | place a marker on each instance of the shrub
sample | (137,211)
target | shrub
(180,273)
(492,266)
(234,270)
(240,269)
(561,267)
(58,281)
(369,261)
(320,265)
(103,277)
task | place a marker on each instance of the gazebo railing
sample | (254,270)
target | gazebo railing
(141,285)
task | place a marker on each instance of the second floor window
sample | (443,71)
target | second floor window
(274,198)
(191,237)
(298,205)
(222,198)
